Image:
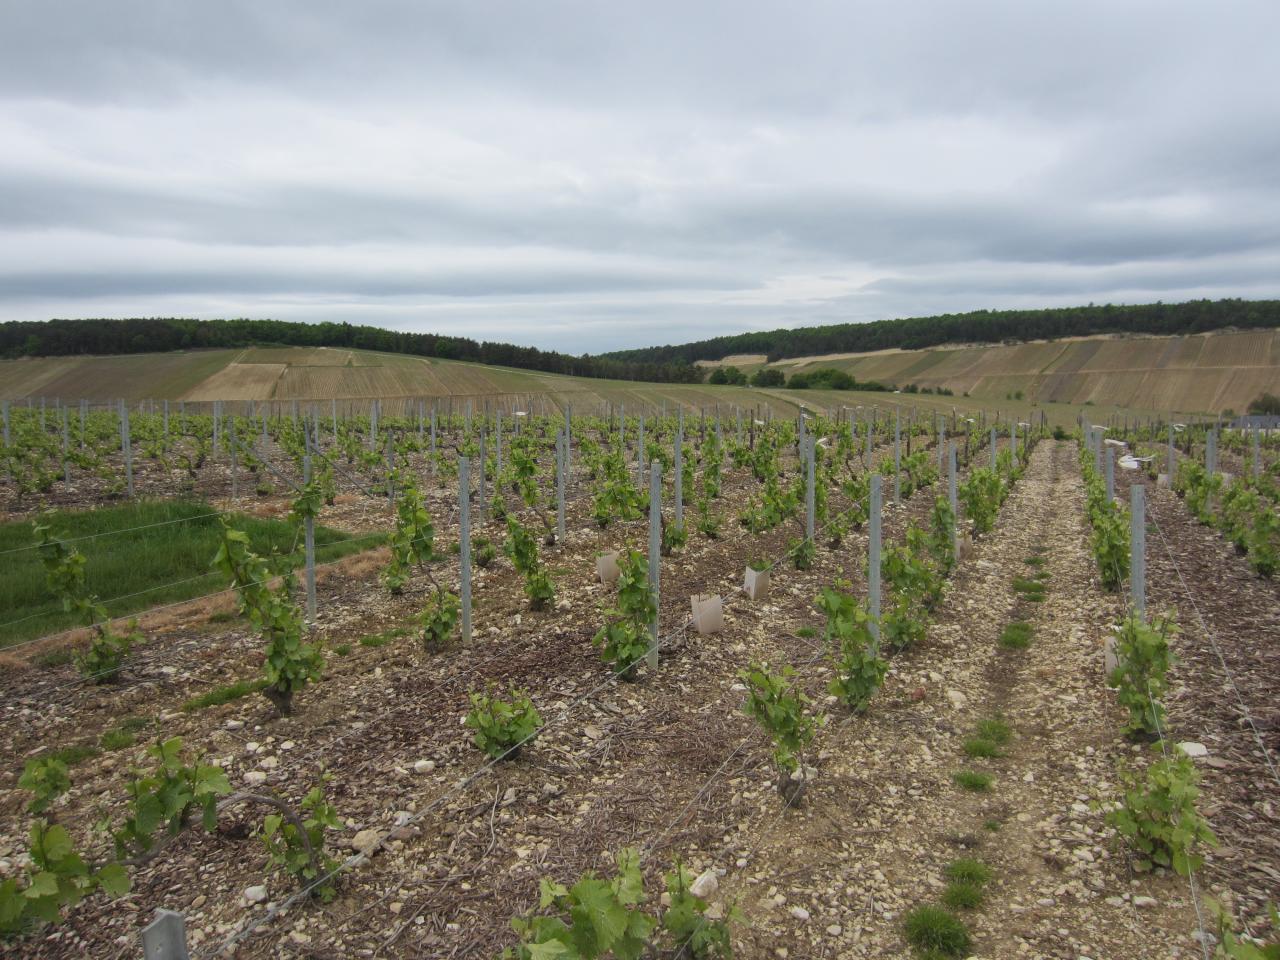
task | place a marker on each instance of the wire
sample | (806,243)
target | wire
(460,786)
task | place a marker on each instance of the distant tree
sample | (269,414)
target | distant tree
(1266,404)
(767,377)
(982,326)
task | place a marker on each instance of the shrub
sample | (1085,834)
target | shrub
(1142,660)
(801,553)
(778,707)
(167,797)
(439,619)
(1157,815)
(46,778)
(64,573)
(413,543)
(692,933)
(981,494)
(289,664)
(625,637)
(859,668)
(594,918)
(296,844)
(522,548)
(503,727)
(57,877)
(483,551)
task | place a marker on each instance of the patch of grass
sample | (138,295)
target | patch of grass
(981,747)
(806,632)
(54,658)
(963,896)
(1017,635)
(994,729)
(382,639)
(223,616)
(968,870)
(216,698)
(1034,561)
(166,562)
(935,931)
(122,737)
(342,649)
(992,825)
(76,753)
(973,780)
(1032,590)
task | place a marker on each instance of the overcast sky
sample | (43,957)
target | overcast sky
(598,175)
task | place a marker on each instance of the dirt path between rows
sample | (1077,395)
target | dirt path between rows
(835,878)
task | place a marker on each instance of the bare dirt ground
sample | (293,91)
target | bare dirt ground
(669,763)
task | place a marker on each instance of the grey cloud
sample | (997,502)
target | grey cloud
(588,176)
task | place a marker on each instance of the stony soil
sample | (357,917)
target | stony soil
(668,764)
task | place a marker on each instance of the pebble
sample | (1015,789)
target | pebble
(365,841)
(255,894)
(1193,749)
(424,766)
(800,913)
(706,885)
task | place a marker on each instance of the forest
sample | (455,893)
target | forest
(151,335)
(980,326)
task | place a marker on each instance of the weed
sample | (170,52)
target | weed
(342,649)
(1031,589)
(963,896)
(995,730)
(968,870)
(973,780)
(937,930)
(1017,635)
(216,698)
(76,753)
(382,639)
(981,747)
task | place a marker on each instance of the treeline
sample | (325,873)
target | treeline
(981,326)
(138,335)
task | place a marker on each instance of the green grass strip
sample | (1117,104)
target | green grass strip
(216,698)
(142,567)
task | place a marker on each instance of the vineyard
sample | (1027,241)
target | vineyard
(533,684)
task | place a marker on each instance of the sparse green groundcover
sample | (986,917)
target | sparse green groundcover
(936,932)
(1030,588)
(1017,635)
(973,780)
(136,566)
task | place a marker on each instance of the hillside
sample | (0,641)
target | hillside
(321,374)
(1205,373)
(978,326)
